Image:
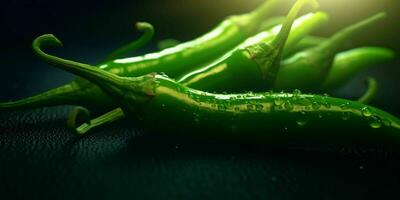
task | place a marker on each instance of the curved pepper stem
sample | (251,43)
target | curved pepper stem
(335,43)
(117,87)
(371,92)
(269,55)
(148,34)
(109,82)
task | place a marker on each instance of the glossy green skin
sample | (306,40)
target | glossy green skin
(306,70)
(299,72)
(172,61)
(227,74)
(263,117)
(309,69)
(349,63)
(237,71)
(163,105)
(176,60)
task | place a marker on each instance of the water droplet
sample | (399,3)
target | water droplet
(366,112)
(325,95)
(274,179)
(288,106)
(345,106)
(176,147)
(316,105)
(221,107)
(320,115)
(361,167)
(285,129)
(297,92)
(327,104)
(302,121)
(259,107)
(375,122)
(278,101)
(162,74)
(346,116)
(250,107)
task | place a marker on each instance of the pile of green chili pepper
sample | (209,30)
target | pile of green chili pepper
(222,84)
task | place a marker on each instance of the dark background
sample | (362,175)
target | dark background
(39,158)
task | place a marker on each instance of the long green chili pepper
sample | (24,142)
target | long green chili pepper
(232,74)
(152,99)
(349,63)
(266,25)
(173,61)
(308,69)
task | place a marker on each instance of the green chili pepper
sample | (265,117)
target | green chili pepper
(151,100)
(349,63)
(307,70)
(173,61)
(266,25)
(304,70)
(229,74)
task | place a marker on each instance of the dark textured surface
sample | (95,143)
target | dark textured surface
(41,159)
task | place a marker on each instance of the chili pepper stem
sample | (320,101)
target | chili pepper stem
(249,22)
(78,116)
(107,118)
(268,56)
(148,33)
(335,43)
(91,73)
(371,92)
(112,84)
